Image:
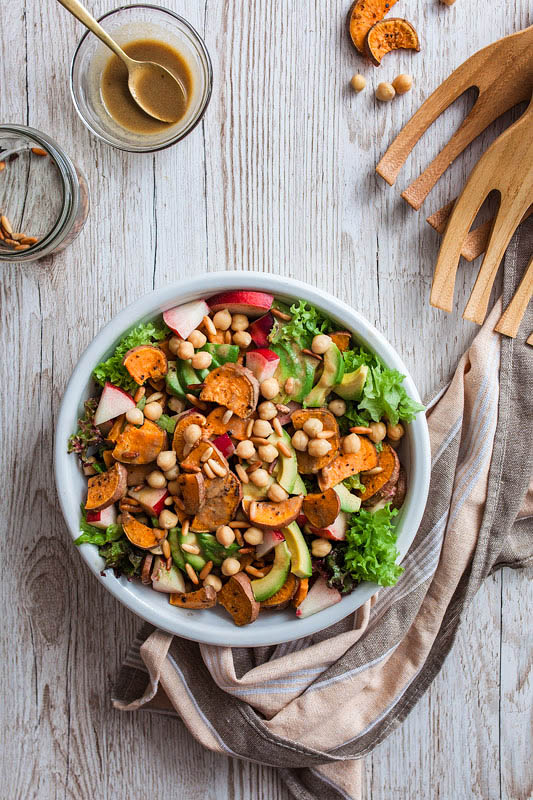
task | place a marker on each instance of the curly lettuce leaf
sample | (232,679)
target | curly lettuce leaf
(353,483)
(371,553)
(338,577)
(113,370)
(87,435)
(121,556)
(306,323)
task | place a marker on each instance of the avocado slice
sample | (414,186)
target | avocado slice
(349,501)
(288,465)
(172,381)
(186,374)
(332,374)
(294,364)
(221,353)
(197,562)
(352,384)
(252,492)
(263,588)
(300,557)
(299,486)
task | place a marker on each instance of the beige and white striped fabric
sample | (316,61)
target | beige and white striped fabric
(314,707)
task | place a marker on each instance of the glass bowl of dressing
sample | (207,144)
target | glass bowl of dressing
(98,79)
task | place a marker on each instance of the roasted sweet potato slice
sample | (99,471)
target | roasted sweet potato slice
(201,598)
(193,461)
(108,459)
(267,515)
(140,445)
(238,599)
(401,490)
(342,339)
(116,429)
(236,427)
(390,34)
(312,464)
(322,509)
(146,362)
(137,473)
(192,490)
(362,15)
(301,592)
(222,498)
(107,488)
(384,481)
(232,386)
(345,465)
(139,535)
(283,596)
(178,442)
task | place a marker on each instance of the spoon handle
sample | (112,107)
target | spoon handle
(81,13)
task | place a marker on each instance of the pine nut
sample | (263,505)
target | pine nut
(208,471)
(165,547)
(253,466)
(374,471)
(325,434)
(206,455)
(252,511)
(29,240)
(139,394)
(17,236)
(196,402)
(289,385)
(310,353)
(6,225)
(155,397)
(227,337)
(191,573)
(282,408)
(185,527)
(259,440)
(227,416)
(217,468)
(2,166)
(249,428)
(280,314)
(255,572)
(39,151)
(209,325)
(190,548)
(237,523)
(238,536)
(22,247)
(276,424)
(284,450)
(244,550)
(206,570)
(361,430)
(241,472)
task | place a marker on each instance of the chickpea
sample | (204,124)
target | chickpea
(259,477)
(135,416)
(320,343)
(201,360)
(402,83)
(277,493)
(166,460)
(269,388)
(176,404)
(358,82)
(156,479)
(253,536)
(378,432)
(192,433)
(230,566)
(172,474)
(385,92)
(173,344)
(320,548)
(222,320)
(239,322)
(351,443)
(395,432)
(167,520)
(268,453)
(185,351)
(153,411)
(197,339)
(242,338)
(214,581)
(173,487)
(313,427)
(262,428)
(225,535)
(318,447)
(267,410)
(337,407)
(245,449)
(300,440)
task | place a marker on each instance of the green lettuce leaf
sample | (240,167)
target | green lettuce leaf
(371,553)
(306,323)
(112,369)
(353,483)
(121,556)
(93,535)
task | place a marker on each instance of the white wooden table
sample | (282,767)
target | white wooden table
(279,177)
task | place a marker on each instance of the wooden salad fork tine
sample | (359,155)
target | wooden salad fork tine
(511,318)
(503,73)
(507,166)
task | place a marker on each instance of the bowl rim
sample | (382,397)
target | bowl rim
(130,148)
(191,625)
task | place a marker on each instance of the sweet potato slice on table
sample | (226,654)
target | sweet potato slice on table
(348,464)
(301,592)
(312,464)
(267,515)
(390,34)
(232,386)
(139,535)
(146,362)
(342,339)
(222,498)
(106,488)
(238,599)
(192,488)
(236,427)
(322,509)
(384,481)
(201,598)
(362,15)
(178,442)
(283,596)
(140,445)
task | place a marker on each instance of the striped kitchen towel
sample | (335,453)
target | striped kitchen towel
(314,707)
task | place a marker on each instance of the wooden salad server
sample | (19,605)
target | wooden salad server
(511,318)
(507,167)
(503,74)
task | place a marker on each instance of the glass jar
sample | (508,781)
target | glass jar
(44,198)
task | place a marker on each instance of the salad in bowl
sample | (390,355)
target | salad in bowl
(244,451)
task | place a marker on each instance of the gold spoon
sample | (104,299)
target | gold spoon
(167,103)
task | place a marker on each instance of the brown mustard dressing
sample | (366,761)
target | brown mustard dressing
(118,100)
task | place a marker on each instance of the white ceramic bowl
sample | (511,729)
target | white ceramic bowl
(214,626)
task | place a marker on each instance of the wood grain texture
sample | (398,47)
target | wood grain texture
(280,176)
